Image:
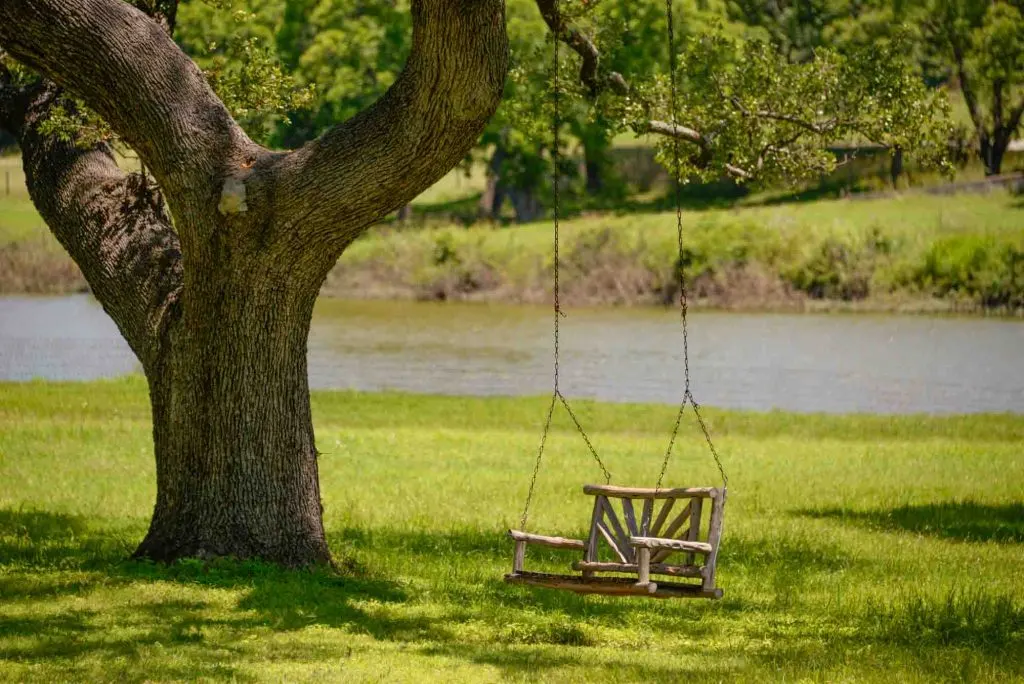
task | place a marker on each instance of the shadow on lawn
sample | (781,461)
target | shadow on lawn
(960,520)
(457,608)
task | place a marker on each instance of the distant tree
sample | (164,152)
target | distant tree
(982,41)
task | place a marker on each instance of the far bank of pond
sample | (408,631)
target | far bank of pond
(901,254)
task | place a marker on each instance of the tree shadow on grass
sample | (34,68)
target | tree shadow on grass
(459,587)
(959,520)
(44,539)
(38,540)
(515,661)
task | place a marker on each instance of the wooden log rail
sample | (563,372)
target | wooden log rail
(524,538)
(542,540)
(673,544)
(692,571)
(647,493)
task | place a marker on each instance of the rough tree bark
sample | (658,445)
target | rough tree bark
(217,303)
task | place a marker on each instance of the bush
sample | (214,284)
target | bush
(981,269)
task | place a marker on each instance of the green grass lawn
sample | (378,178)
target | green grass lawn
(855,548)
(19,220)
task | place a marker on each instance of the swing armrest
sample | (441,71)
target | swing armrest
(673,544)
(554,542)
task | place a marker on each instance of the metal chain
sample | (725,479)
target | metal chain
(557,393)
(583,433)
(707,437)
(684,303)
(536,466)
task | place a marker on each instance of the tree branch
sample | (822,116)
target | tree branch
(583,46)
(966,87)
(358,172)
(126,67)
(1013,121)
(112,224)
(672,130)
(596,83)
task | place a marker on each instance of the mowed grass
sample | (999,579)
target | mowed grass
(856,548)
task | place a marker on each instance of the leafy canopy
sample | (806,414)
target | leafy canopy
(289,69)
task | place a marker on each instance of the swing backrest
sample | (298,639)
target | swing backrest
(691,514)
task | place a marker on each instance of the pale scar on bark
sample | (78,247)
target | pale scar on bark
(232,197)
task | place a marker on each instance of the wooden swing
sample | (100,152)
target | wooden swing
(622,551)
(656,544)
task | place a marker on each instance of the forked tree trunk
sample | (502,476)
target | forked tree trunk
(235,453)
(217,306)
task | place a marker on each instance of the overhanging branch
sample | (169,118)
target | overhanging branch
(597,83)
(333,188)
(582,45)
(113,225)
(126,67)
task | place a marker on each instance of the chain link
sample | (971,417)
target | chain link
(536,466)
(583,433)
(707,437)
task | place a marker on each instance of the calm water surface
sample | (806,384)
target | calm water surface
(883,364)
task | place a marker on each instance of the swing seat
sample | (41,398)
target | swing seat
(657,543)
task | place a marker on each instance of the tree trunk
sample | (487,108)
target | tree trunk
(495,192)
(522,196)
(896,166)
(525,203)
(993,149)
(217,306)
(405,214)
(595,174)
(599,163)
(235,454)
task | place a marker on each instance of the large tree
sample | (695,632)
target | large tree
(215,295)
(210,270)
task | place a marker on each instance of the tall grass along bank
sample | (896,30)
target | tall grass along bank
(861,548)
(963,253)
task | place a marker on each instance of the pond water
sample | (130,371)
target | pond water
(807,363)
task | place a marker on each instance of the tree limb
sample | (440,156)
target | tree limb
(112,224)
(1013,121)
(597,83)
(672,130)
(966,87)
(356,173)
(127,68)
(582,45)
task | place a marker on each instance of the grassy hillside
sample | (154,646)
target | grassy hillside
(910,252)
(914,251)
(855,549)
